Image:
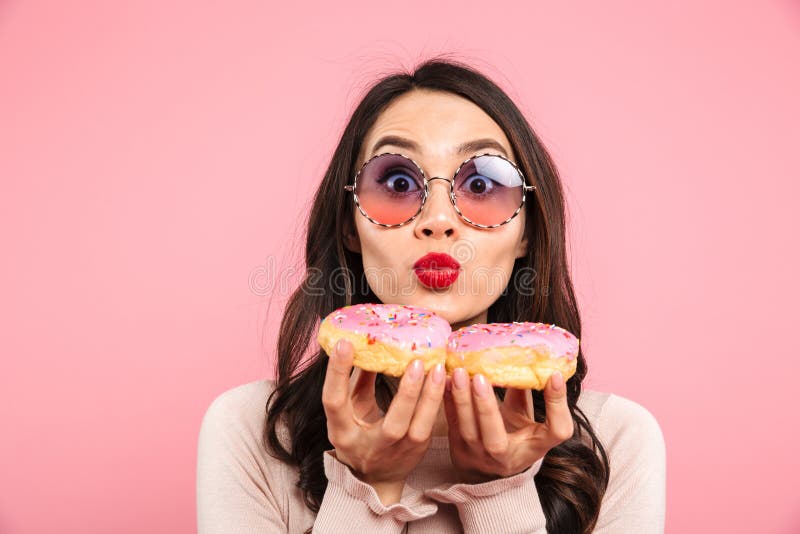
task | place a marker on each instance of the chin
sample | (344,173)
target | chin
(448,304)
(448,308)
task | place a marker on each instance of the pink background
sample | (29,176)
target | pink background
(157,157)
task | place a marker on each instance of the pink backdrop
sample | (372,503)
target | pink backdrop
(157,156)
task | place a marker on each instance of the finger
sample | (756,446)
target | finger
(428,406)
(518,401)
(490,422)
(557,415)
(453,430)
(336,388)
(398,416)
(465,413)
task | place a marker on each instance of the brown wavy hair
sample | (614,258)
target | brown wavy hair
(574,475)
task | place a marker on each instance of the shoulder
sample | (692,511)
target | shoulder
(242,407)
(240,401)
(231,447)
(240,484)
(616,417)
(235,419)
(630,433)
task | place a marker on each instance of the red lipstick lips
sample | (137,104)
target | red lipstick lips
(437,270)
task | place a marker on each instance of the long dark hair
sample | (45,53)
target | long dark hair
(574,475)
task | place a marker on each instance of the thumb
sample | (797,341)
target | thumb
(557,415)
(343,354)
(335,389)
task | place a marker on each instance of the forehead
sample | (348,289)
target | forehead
(439,124)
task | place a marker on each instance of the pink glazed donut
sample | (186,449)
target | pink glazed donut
(387,337)
(518,355)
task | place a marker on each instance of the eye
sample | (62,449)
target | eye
(400,181)
(478,185)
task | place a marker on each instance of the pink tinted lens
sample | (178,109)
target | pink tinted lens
(488,190)
(390,189)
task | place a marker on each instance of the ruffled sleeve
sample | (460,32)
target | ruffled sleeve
(504,505)
(354,503)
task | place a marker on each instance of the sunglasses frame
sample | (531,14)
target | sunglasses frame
(425,180)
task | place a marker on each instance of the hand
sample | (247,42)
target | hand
(380,449)
(489,439)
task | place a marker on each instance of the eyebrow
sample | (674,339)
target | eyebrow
(462,149)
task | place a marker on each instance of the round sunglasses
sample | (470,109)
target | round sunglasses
(487,190)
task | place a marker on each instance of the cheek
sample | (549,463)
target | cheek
(493,255)
(498,249)
(386,267)
(380,248)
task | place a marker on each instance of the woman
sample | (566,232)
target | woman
(357,452)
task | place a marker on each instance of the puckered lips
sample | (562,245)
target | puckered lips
(437,270)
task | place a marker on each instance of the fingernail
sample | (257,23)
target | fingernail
(481,386)
(460,379)
(437,375)
(557,381)
(415,370)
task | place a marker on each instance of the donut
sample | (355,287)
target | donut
(518,355)
(387,337)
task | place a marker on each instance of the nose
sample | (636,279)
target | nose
(438,218)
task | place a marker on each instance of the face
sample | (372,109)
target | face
(429,127)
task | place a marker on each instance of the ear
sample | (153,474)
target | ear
(522,247)
(351,241)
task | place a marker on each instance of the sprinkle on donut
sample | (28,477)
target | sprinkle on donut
(407,327)
(559,341)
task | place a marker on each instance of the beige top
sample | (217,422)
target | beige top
(242,489)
